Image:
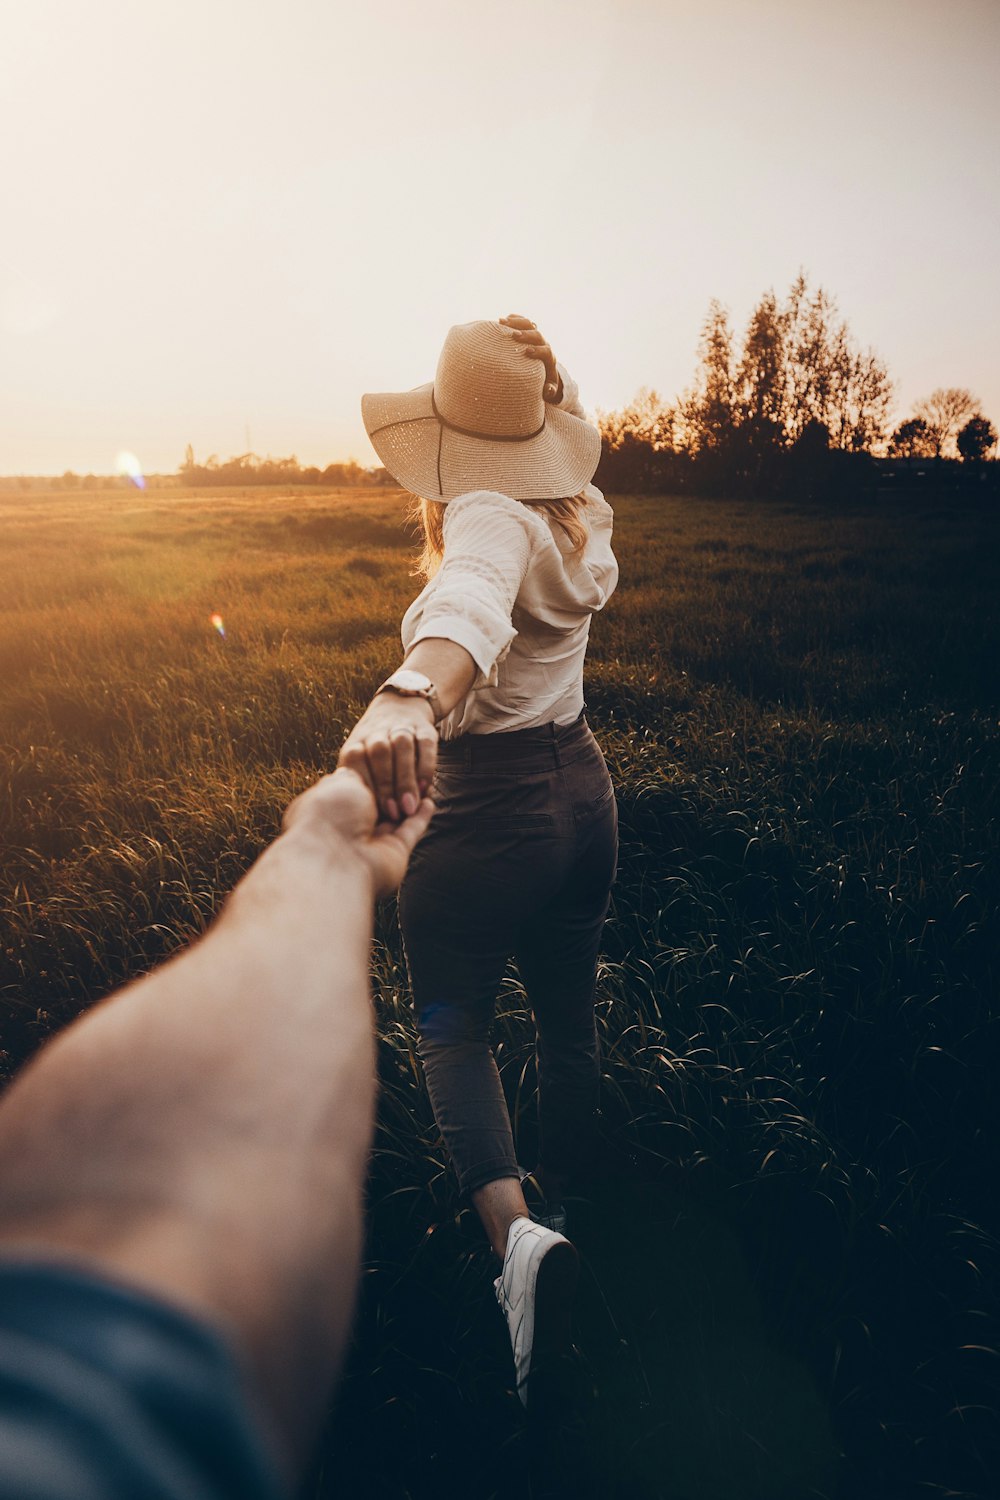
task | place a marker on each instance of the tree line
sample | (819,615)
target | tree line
(796,405)
(249,469)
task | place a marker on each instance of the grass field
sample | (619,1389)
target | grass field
(801,713)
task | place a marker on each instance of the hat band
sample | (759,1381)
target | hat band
(488,437)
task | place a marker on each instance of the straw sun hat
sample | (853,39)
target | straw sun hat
(482,423)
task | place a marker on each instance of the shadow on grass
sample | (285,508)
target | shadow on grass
(678,1388)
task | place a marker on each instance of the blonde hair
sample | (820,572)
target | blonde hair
(428,517)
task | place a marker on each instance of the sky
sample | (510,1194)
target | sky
(221,221)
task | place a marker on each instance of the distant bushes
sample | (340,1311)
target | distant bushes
(243,471)
(829,474)
(248,469)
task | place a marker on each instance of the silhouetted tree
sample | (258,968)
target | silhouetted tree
(762,376)
(378,476)
(865,396)
(798,364)
(811,466)
(762,417)
(646,419)
(945,412)
(638,442)
(912,439)
(814,439)
(345,474)
(708,408)
(976,438)
(811,342)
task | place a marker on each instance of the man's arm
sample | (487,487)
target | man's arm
(204,1134)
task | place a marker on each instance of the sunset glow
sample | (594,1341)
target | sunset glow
(316,192)
(129,467)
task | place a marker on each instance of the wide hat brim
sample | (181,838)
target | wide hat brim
(433,460)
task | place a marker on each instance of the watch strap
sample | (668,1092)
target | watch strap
(404,692)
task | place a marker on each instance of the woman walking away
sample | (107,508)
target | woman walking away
(522,850)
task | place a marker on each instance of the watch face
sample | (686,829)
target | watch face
(410,681)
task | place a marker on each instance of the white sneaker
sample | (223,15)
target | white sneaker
(535,1292)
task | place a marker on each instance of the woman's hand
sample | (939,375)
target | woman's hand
(342,806)
(393,748)
(536,347)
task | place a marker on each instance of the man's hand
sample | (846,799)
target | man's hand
(535,347)
(393,748)
(344,805)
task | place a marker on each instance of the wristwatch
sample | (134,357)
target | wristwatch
(410,684)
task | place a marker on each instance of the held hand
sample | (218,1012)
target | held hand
(393,748)
(535,347)
(342,804)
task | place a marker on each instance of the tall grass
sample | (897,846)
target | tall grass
(789,1238)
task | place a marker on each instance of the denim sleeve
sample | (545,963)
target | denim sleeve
(109,1394)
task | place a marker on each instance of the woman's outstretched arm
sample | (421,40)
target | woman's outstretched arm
(204,1134)
(393,746)
(456,633)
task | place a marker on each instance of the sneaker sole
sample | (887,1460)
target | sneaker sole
(552,1335)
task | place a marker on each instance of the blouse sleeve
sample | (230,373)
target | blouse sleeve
(487,545)
(571,395)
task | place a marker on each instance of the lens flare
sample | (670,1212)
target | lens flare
(216,620)
(129,466)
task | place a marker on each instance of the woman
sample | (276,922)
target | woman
(522,850)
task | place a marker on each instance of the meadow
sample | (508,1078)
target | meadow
(789,1243)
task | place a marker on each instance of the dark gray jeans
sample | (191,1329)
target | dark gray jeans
(519,860)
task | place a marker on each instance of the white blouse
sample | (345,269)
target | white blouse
(511,593)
